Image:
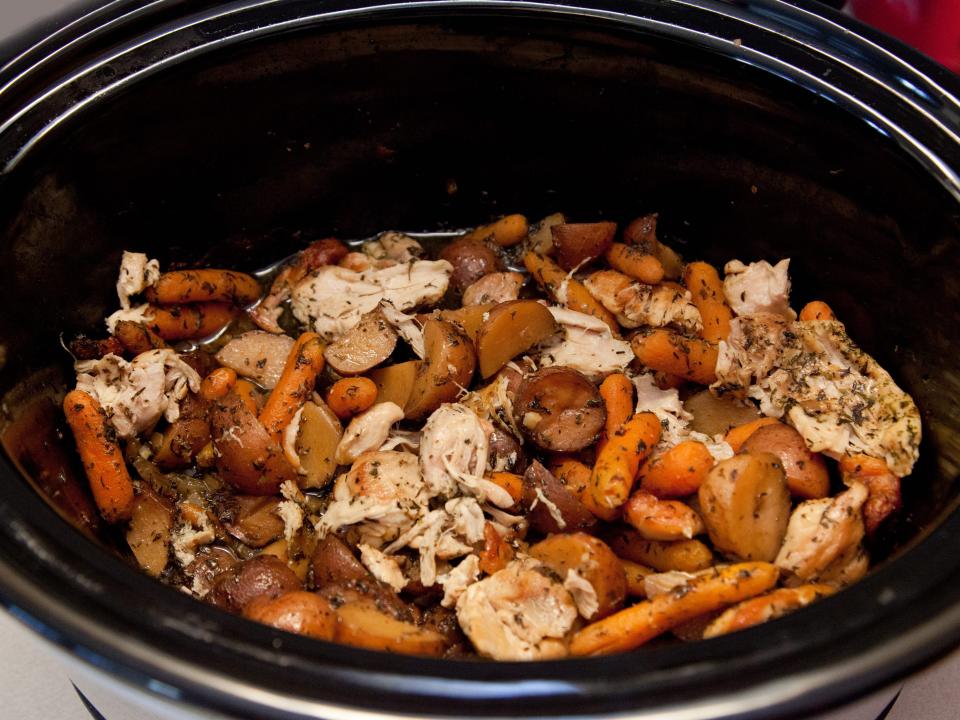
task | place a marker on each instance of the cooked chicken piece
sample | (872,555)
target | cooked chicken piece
(822,531)
(137,273)
(758,288)
(384,568)
(319,253)
(674,418)
(494,402)
(838,398)
(518,613)
(406,326)
(367,431)
(136,394)
(383,492)
(394,246)
(257,355)
(661,583)
(585,344)
(638,304)
(453,456)
(193,531)
(333,299)
(498,287)
(139,314)
(847,569)
(456,581)
(583,593)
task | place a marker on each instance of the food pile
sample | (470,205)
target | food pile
(446,456)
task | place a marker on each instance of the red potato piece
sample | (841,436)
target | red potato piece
(446,370)
(261,576)
(247,457)
(551,508)
(592,560)
(496,287)
(806,471)
(370,343)
(257,355)
(253,520)
(471,260)
(149,533)
(882,485)
(559,409)
(576,243)
(298,612)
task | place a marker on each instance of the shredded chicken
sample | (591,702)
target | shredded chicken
(406,326)
(453,456)
(383,567)
(642,305)
(810,372)
(674,418)
(583,593)
(758,288)
(257,355)
(821,532)
(498,287)
(136,394)
(394,246)
(188,537)
(585,344)
(333,299)
(518,613)
(138,314)
(137,273)
(367,431)
(457,580)
(292,516)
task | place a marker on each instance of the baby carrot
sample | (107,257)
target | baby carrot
(617,393)
(248,394)
(351,396)
(505,232)
(190,286)
(620,458)
(218,383)
(567,291)
(706,288)
(737,436)
(295,384)
(137,338)
(632,261)
(102,458)
(678,472)
(664,350)
(817,310)
(189,322)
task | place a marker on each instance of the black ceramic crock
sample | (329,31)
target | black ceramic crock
(232,133)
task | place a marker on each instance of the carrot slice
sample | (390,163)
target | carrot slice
(296,383)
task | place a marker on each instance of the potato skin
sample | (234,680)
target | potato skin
(252,519)
(334,563)
(575,516)
(299,612)
(263,575)
(593,560)
(745,504)
(448,367)
(248,458)
(512,328)
(370,343)
(575,243)
(363,624)
(471,260)
(807,475)
(559,409)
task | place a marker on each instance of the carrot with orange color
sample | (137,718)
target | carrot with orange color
(663,520)
(496,553)
(632,261)
(351,396)
(566,290)
(137,338)
(218,383)
(636,574)
(189,322)
(706,289)
(766,607)
(630,628)
(738,435)
(667,351)
(575,477)
(678,472)
(817,310)
(616,390)
(102,458)
(296,383)
(511,482)
(619,459)
(207,285)
(505,232)
(248,394)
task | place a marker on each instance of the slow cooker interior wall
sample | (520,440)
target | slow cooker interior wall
(242,156)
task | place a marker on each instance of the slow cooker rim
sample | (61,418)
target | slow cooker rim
(942,629)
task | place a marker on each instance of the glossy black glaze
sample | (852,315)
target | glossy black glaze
(755,129)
